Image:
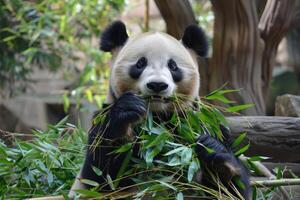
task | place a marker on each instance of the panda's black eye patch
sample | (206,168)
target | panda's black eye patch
(137,69)
(175,70)
(172,65)
(141,63)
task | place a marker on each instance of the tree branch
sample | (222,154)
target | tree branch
(275,22)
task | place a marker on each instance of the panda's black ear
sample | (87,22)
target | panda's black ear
(113,36)
(194,38)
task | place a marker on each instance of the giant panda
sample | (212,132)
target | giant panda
(157,65)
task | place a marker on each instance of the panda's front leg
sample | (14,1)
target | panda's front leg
(220,162)
(104,138)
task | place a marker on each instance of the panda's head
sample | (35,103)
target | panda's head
(154,64)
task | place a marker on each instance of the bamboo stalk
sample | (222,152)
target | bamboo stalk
(274,183)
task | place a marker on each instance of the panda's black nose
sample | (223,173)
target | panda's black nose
(157,86)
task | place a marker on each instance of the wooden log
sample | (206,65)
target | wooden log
(274,137)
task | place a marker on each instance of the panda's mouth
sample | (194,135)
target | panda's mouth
(157,98)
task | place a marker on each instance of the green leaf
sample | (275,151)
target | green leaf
(157,130)
(238,140)
(217,90)
(97,170)
(62,122)
(158,140)
(149,120)
(89,182)
(167,185)
(89,193)
(229,91)
(209,150)
(257,158)
(186,155)
(174,151)
(124,148)
(66,102)
(239,183)
(242,150)
(152,152)
(179,196)
(89,95)
(219,97)
(239,108)
(175,161)
(110,182)
(254,194)
(50,178)
(193,168)
(62,24)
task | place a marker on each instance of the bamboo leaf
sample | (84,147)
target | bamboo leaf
(89,193)
(193,168)
(110,182)
(242,150)
(174,151)
(179,196)
(89,182)
(238,140)
(97,171)
(257,158)
(186,155)
(239,108)
(124,148)
(167,185)
(66,102)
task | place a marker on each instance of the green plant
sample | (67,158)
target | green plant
(50,34)
(45,165)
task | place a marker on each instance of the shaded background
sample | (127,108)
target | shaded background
(50,65)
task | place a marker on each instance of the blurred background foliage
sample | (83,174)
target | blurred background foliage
(62,35)
(52,35)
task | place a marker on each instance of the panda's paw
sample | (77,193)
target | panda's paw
(129,108)
(218,157)
(208,147)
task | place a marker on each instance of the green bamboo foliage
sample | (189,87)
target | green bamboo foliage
(165,169)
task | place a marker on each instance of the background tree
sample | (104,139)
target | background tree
(244,44)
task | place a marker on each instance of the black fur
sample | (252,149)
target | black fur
(127,109)
(176,72)
(137,69)
(222,162)
(195,39)
(113,36)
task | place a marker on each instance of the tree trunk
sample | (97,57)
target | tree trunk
(178,14)
(244,49)
(237,52)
